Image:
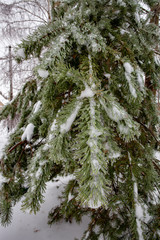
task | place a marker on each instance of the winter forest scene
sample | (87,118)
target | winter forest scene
(79,120)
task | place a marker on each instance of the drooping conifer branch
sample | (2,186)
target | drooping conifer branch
(138,208)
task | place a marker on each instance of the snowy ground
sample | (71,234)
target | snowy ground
(34,227)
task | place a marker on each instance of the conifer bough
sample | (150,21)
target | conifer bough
(90,112)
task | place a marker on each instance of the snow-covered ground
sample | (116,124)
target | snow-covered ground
(27,226)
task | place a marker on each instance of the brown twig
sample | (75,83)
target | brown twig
(156,166)
(146,128)
(19,143)
(31,150)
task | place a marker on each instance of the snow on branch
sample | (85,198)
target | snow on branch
(138,209)
(128,74)
(28,133)
(65,127)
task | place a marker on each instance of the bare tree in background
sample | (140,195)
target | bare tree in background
(17,20)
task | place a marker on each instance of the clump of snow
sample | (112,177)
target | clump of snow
(95,164)
(157,59)
(123,31)
(155,197)
(128,71)
(39,172)
(46,147)
(3,137)
(54,125)
(101,237)
(20,53)
(86,93)
(43,73)
(137,17)
(114,155)
(65,127)
(53,128)
(70,196)
(140,78)
(87,235)
(94,132)
(114,112)
(138,210)
(28,133)
(157,155)
(107,75)
(111,36)
(62,39)
(37,106)
(121,3)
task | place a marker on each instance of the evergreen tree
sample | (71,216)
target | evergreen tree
(90,112)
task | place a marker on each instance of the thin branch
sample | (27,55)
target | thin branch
(3,96)
(146,128)
(19,143)
(26,10)
(145,10)
(156,166)
(157,52)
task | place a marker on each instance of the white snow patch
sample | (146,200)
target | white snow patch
(54,125)
(121,3)
(107,75)
(37,106)
(155,196)
(70,197)
(53,129)
(62,39)
(3,137)
(114,155)
(65,127)
(87,235)
(20,53)
(86,93)
(157,59)
(101,237)
(38,173)
(140,78)
(43,73)
(94,132)
(46,147)
(128,71)
(157,155)
(95,164)
(114,112)
(28,133)
(138,210)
